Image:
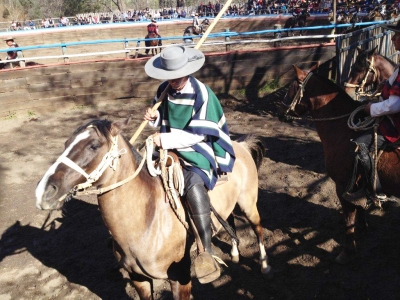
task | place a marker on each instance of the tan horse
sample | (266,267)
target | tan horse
(149,240)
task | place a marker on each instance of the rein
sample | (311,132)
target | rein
(360,87)
(297,99)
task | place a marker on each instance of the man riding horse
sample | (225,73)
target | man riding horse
(388,131)
(196,24)
(193,126)
(152,28)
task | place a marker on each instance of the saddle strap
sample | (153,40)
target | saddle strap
(225,224)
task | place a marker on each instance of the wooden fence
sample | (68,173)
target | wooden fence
(86,83)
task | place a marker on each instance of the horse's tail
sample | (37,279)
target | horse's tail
(256,147)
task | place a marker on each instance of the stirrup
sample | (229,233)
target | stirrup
(206,268)
(358,198)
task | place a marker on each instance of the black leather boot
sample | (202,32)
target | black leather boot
(363,194)
(205,266)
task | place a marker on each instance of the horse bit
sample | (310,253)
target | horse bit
(360,87)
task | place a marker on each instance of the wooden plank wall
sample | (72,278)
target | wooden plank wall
(64,86)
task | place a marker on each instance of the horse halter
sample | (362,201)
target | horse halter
(360,87)
(109,160)
(298,97)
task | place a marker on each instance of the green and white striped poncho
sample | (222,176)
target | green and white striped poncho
(199,113)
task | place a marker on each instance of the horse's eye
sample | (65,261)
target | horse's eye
(94,147)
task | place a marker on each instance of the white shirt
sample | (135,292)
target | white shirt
(388,106)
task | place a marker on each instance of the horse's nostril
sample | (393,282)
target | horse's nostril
(51,191)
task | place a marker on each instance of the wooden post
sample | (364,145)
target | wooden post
(21,62)
(227,39)
(126,46)
(64,51)
(137,50)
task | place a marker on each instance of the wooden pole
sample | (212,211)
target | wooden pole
(164,93)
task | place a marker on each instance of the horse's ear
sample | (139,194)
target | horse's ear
(372,52)
(300,74)
(118,126)
(315,67)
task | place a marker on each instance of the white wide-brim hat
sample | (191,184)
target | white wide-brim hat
(174,62)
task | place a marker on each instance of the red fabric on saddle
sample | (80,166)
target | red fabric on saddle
(152,28)
(390,126)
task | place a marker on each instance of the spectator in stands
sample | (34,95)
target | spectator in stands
(283,8)
(63,22)
(51,22)
(75,21)
(157,15)
(217,7)
(45,23)
(13,25)
(26,25)
(11,54)
(31,24)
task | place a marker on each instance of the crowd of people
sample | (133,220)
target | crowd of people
(251,7)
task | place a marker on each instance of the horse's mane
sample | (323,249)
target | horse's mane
(334,86)
(388,60)
(104,127)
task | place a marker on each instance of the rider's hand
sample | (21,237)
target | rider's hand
(157,139)
(150,115)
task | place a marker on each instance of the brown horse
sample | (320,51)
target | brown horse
(190,30)
(150,239)
(152,42)
(330,107)
(370,68)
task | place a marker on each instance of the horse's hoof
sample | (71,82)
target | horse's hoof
(343,258)
(235,258)
(268,273)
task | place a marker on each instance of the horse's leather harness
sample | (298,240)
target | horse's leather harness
(110,159)
(297,99)
(360,87)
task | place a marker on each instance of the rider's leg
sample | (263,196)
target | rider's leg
(362,146)
(206,268)
(146,43)
(159,41)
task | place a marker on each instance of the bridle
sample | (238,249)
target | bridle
(360,87)
(110,160)
(297,99)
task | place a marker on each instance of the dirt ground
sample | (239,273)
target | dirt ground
(64,254)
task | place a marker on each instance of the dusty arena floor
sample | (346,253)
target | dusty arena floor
(64,255)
